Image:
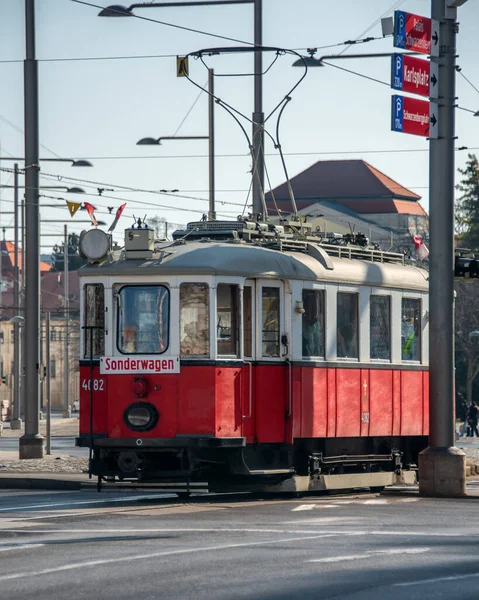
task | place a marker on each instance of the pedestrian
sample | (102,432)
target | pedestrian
(472,417)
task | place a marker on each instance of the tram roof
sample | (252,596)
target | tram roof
(248,260)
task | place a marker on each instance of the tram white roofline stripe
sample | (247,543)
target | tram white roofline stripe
(165,553)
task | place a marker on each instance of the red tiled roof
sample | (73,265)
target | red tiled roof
(403,207)
(341,179)
(9,248)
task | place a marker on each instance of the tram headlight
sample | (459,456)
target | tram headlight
(141,416)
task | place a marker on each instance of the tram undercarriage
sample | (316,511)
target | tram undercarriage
(226,465)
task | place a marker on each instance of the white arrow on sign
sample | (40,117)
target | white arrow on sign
(433,121)
(435,42)
(434,80)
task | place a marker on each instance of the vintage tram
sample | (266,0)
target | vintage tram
(252,356)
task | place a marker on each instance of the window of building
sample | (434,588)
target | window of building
(53,334)
(347,322)
(194,319)
(411,329)
(12,336)
(380,327)
(270,319)
(53,369)
(143,317)
(94,316)
(227,320)
(248,321)
(313,323)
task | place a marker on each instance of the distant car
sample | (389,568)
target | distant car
(76,406)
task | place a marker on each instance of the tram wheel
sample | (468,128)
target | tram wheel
(183,495)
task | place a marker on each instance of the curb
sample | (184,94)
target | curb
(44,483)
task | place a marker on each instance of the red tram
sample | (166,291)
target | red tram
(247,357)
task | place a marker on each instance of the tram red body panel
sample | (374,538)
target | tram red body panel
(215,401)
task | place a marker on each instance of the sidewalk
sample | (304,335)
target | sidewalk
(59,427)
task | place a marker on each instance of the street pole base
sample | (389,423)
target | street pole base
(16,424)
(31,446)
(67,414)
(442,472)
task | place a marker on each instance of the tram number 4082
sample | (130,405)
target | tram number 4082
(98,385)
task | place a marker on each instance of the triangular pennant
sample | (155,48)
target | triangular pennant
(91,209)
(73,207)
(118,215)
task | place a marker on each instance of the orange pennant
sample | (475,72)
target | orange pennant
(73,207)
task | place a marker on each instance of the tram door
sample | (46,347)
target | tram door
(271,387)
(249,351)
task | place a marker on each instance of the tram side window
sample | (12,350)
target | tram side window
(194,319)
(270,322)
(227,320)
(380,327)
(313,323)
(347,320)
(248,321)
(143,317)
(411,329)
(94,316)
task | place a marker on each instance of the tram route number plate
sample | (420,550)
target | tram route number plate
(139,365)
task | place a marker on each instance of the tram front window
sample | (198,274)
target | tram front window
(194,320)
(143,316)
(94,316)
(227,320)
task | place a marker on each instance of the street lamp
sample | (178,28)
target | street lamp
(118,10)
(311,61)
(74,163)
(149,141)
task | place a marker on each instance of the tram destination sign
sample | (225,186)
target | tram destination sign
(414,116)
(139,365)
(413,75)
(412,32)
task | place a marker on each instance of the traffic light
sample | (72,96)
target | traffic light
(466,264)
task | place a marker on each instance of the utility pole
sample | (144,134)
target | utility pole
(16,420)
(442,466)
(211,143)
(31,443)
(258,114)
(66,365)
(49,395)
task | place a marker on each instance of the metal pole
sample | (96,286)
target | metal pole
(258,115)
(211,143)
(49,397)
(16,421)
(66,365)
(22,304)
(31,443)
(442,465)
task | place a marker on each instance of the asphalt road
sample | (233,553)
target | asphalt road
(59,445)
(83,545)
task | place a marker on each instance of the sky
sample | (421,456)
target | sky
(96,101)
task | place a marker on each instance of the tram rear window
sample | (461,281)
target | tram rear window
(94,340)
(194,320)
(227,320)
(143,318)
(380,327)
(411,329)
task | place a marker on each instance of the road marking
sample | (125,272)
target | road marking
(304,507)
(19,547)
(172,530)
(438,580)
(166,553)
(369,554)
(376,501)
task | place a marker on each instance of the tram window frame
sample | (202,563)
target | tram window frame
(120,308)
(95,318)
(341,328)
(307,323)
(248,320)
(276,341)
(230,310)
(205,331)
(372,325)
(417,330)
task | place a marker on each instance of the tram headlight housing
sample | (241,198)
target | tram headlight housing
(141,416)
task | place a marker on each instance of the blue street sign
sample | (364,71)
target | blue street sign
(397,113)
(400,29)
(397,72)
